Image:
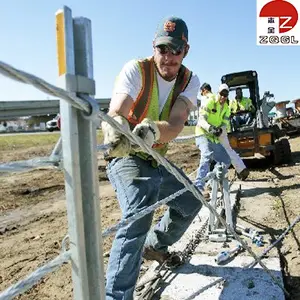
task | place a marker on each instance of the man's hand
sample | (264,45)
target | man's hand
(120,145)
(217,131)
(148,131)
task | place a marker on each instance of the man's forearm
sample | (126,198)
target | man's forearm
(121,104)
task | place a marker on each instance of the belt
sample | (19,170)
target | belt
(150,158)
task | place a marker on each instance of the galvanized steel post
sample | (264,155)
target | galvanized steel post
(75,62)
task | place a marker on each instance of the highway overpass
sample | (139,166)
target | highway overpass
(13,109)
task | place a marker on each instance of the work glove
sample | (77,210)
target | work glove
(217,131)
(148,131)
(119,144)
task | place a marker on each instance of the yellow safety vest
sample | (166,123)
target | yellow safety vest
(215,114)
(244,104)
(147,103)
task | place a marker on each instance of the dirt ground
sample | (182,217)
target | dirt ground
(33,218)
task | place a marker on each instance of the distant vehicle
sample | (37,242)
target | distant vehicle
(53,124)
(259,137)
(2,128)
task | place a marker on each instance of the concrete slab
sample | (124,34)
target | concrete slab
(201,278)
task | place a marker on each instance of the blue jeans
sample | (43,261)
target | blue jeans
(242,119)
(209,151)
(139,185)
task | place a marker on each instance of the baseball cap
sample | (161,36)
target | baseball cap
(223,87)
(172,31)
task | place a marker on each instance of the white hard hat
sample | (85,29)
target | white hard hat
(223,87)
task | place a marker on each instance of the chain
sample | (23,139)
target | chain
(147,289)
(191,246)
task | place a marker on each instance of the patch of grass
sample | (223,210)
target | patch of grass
(188,130)
(23,141)
(99,137)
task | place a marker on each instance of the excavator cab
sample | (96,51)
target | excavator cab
(257,137)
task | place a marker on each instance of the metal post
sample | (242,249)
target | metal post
(228,208)
(89,166)
(80,160)
(213,203)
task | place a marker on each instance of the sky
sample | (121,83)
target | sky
(222,38)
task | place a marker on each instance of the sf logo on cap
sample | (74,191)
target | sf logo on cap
(169,26)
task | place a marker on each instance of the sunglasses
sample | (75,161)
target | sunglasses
(224,93)
(164,49)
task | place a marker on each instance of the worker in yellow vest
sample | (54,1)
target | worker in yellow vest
(153,98)
(212,117)
(242,110)
(237,162)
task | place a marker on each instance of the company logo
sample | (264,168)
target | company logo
(169,26)
(278,22)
